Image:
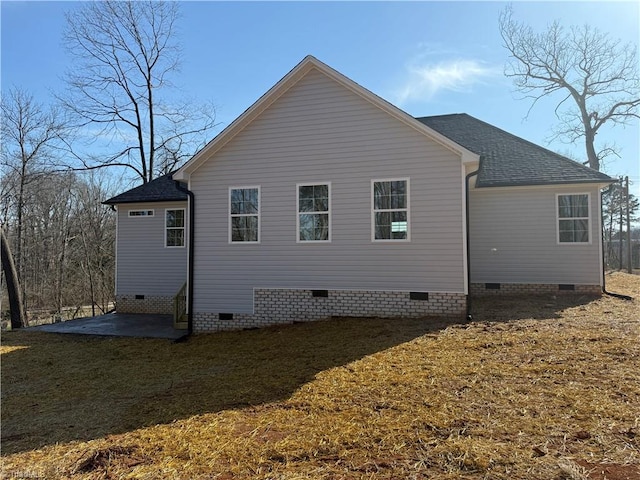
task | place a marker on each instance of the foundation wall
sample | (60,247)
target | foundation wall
(144,304)
(280,306)
(484,289)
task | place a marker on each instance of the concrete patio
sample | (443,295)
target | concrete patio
(118,325)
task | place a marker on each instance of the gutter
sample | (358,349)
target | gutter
(191,196)
(466,211)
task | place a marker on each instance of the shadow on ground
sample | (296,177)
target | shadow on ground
(508,308)
(60,388)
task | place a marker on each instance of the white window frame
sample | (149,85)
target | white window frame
(142,213)
(232,215)
(407,209)
(184,228)
(558,218)
(298,213)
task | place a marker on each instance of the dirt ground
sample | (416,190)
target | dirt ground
(543,387)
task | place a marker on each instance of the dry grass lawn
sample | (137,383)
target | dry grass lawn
(543,388)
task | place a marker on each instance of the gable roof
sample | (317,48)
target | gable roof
(508,160)
(308,64)
(505,159)
(161,189)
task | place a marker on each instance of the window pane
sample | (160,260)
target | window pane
(306,227)
(244,229)
(321,197)
(390,195)
(314,227)
(383,225)
(581,206)
(306,192)
(313,198)
(574,231)
(381,195)
(236,201)
(175,237)
(398,194)
(399,225)
(237,229)
(581,229)
(175,218)
(564,206)
(321,204)
(306,205)
(573,206)
(244,201)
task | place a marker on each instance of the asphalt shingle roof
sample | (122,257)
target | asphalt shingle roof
(161,189)
(508,160)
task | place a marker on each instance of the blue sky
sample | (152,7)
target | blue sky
(428,58)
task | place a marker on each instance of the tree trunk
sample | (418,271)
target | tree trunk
(19,233)
(18,319)
(592,156)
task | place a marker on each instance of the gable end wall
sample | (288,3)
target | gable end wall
(318,132)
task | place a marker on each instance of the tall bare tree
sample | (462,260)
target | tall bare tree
(94,239)
(125,53)
(595,76)
(31,138)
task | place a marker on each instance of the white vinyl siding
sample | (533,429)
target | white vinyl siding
(144,265)
(573,218)
(390,210)
(174,228)
(244,215)
(514,238)
(320,132)
(314,212)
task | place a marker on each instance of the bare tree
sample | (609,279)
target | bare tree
(31,137)
(94,236)
(614,203)
(597,77)
(125,53)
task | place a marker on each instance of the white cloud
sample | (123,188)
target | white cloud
(425,80)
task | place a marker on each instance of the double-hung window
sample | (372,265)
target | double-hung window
(390,210)
(244,214)
(573,218)
(314,212)
(174,228)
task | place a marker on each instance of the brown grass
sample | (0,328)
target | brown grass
(546,388)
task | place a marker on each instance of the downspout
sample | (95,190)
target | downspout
(604,267)
(466,211)
(191,196)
